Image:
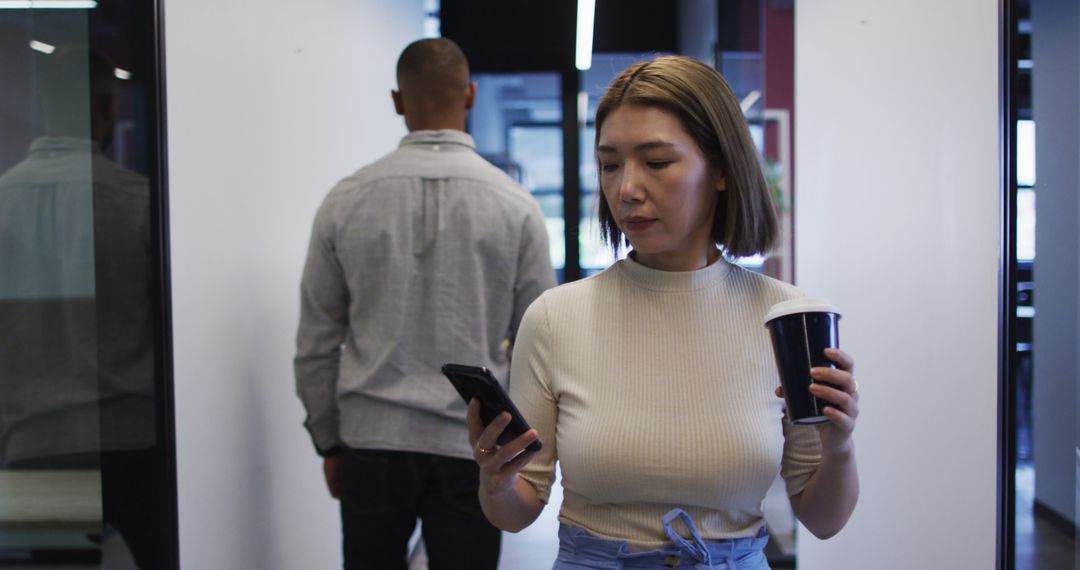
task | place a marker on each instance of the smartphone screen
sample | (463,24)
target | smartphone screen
(478,382)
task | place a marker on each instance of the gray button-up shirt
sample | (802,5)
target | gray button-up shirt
(76,354)
(427,256)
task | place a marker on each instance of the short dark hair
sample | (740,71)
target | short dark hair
(434,68)
(68,79)
(745,221)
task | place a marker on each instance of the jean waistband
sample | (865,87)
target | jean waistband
(577,544)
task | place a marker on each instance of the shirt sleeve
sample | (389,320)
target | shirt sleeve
(530,389)
(324,318)
(802,455)
(534,272)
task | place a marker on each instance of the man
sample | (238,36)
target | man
(427,256)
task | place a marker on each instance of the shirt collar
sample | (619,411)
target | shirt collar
(442,136)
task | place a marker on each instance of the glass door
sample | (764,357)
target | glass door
(1041,454)
(517,126)
(85,444)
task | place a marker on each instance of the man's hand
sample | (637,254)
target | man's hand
(332,471)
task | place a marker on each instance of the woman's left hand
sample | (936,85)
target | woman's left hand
(838,387)
(826,502)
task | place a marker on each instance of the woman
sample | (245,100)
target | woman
(653,382)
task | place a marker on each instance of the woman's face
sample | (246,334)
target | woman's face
(661,191)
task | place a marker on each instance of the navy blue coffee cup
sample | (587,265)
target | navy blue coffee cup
(801,330)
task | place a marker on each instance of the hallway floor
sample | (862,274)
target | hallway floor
(1039,544)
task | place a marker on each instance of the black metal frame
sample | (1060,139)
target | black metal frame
(141,24)
(149,33)
(569,88)
(167,507)
(1007,297)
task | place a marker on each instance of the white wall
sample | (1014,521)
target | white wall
(897,221)
(269,104)
(1056,98)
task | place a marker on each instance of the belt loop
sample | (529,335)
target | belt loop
(699,550)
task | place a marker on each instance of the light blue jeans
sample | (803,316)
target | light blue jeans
(579,551)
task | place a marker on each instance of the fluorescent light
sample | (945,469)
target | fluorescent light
(42,47)
(586,13)
(748,101)
(1026,215)
(582,108)
(47,4)
(1025,152)
(122,74)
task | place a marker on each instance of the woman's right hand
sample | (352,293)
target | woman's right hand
(499,465)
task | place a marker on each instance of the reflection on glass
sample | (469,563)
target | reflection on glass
(537,149)
(517,125)
(1047,473)
(77,395)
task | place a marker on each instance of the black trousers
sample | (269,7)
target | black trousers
(131,503)
(384,492)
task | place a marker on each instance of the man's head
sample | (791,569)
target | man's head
(78,94)
(434,91)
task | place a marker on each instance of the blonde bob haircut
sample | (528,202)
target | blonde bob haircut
(745,222)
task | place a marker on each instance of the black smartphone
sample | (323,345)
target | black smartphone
(478,382)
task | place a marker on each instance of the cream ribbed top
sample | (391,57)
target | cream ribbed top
(654,390)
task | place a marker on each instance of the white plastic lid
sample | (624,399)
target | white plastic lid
(804,305)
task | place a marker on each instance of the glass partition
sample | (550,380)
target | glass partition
(517,125)
(85,463)
(1042,395)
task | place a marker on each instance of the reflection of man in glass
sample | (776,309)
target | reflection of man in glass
(76,356)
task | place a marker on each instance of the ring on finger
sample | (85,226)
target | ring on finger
(484,450)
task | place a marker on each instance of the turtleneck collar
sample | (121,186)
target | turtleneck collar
(674,281)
